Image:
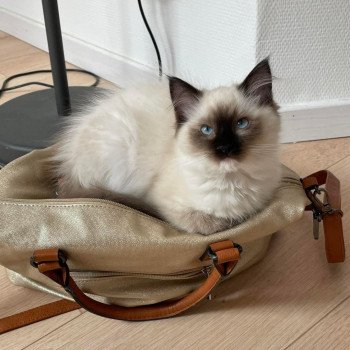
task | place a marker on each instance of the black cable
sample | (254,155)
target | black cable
(6,81)
(153,39)
(97,78)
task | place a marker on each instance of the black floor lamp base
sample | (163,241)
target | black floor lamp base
(31,121)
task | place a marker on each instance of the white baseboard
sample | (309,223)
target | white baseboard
(299,123)
(324,120)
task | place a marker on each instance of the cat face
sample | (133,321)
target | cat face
(227,124)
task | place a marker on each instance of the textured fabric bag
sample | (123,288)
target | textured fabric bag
(133,266)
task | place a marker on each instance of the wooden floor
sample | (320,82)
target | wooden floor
(292,300)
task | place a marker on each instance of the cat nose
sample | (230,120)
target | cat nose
(228,150)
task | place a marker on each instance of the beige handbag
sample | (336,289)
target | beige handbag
(121,263)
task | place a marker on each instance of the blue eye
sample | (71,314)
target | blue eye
(243,123)
(206,130)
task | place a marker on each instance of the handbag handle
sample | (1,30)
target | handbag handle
(52,263)
(328,210)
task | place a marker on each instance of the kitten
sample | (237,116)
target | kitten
(202,160)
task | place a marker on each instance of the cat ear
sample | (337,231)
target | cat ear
(258,83)
(184,97)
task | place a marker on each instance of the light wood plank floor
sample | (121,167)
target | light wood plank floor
(292,300)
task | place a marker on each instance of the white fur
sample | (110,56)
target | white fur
(128,145)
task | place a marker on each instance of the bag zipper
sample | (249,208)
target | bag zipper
(80,275)
(286,182)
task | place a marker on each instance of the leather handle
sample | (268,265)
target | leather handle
(329,212)
(52,263)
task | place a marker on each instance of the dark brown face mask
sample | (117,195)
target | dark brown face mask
(257,86)
(225,132)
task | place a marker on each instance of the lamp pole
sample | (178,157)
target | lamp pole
(56,52)
(32,120)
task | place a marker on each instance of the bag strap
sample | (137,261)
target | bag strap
(327,210)
(53,263)
(37,314)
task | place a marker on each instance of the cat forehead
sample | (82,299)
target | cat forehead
(222,96)
(224,103)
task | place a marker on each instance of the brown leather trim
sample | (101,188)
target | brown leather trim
(46,255)
(226,257)
(221,245)
(309,182)
(144,313)
(334,239)
(48,266)
(37,314)
(332,220)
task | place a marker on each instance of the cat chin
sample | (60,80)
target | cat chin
(228,165)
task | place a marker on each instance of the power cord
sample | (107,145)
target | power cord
(6,81)
(160,67)
(97,78)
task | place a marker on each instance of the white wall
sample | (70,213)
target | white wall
(213,42)
(309,44)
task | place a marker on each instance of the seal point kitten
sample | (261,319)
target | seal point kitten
(203,160)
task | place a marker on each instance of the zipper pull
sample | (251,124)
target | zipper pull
(206,270)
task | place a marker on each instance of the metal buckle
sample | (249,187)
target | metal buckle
(239,247)
(33,262)
(320,209)
(209,254)
(319,206)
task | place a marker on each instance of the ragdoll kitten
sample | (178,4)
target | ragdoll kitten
(204,160)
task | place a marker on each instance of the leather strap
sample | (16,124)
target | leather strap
(52,262)
(329,211)
(36,314)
